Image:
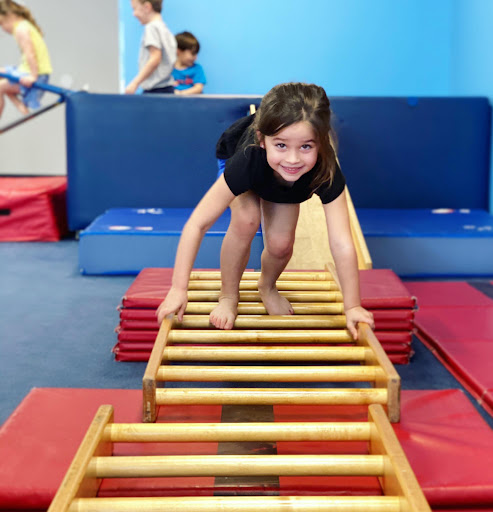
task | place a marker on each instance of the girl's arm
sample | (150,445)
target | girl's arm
(210,208)
(344,254)
(23,38)
(149,67)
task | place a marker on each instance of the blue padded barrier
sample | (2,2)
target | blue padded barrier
(144,150)
(129,151)
(127,240)
(415,152)
(425,243)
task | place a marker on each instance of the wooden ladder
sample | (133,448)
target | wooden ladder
(385,460)
(272,348)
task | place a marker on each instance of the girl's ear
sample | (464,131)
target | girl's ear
(260,139)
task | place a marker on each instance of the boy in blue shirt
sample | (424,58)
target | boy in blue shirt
(189,76)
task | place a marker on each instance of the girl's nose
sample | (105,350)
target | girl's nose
(292,157)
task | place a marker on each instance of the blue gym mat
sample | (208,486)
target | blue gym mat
(425,243)
(126,240)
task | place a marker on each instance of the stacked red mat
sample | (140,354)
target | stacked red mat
(382,292)
(455,320)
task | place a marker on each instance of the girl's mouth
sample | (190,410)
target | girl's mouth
(291,170)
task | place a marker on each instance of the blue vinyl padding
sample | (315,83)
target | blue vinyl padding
(126,240)
(429,243)
(145,150)
(440,222)
(415,152)
(151,150)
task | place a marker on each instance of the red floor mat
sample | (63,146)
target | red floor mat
(447,293)
(462,338)
(448,444)
(455,320)
(456,323)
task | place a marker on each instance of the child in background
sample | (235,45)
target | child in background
(157,50)
(276,159)
(189,76)
(35,63)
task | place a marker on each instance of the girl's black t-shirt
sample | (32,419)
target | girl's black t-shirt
(247,169)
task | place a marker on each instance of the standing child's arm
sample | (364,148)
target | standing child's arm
(344,254)
(210,208)
(155,55)
(23,38)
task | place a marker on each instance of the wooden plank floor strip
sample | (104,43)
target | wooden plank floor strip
(247,485)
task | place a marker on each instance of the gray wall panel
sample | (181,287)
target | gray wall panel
(82,37)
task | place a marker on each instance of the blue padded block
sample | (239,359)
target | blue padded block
(415,153)
(143,150)
(427,243)
(126,240)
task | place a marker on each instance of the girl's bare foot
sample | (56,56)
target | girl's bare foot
(274,302)
(223,316)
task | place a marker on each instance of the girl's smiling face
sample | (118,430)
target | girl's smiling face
(291,152)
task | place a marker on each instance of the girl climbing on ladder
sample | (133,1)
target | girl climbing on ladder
(275,160)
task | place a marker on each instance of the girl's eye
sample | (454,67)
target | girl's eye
(281,145)
(306,146)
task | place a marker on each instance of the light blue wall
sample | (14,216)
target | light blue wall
(350,47)
(472,42)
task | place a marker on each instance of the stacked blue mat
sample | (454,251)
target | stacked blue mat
(126,240)
(422,242)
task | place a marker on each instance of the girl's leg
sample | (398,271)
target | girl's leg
(18,103)
(279,225)
(235,252)
(11,91)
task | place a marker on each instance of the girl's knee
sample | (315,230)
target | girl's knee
(245,220)
(280,246)
(6,87)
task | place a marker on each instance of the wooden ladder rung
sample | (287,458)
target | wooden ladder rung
(242,504)
(259,336)
(268,322)
(156,466)
(266,353)
(269,373)
(270,396)
(236,432)
(254,296)
(257,308)
(281,285)
(213,275)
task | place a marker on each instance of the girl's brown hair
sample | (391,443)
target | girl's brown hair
(290,103)
(9,6)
